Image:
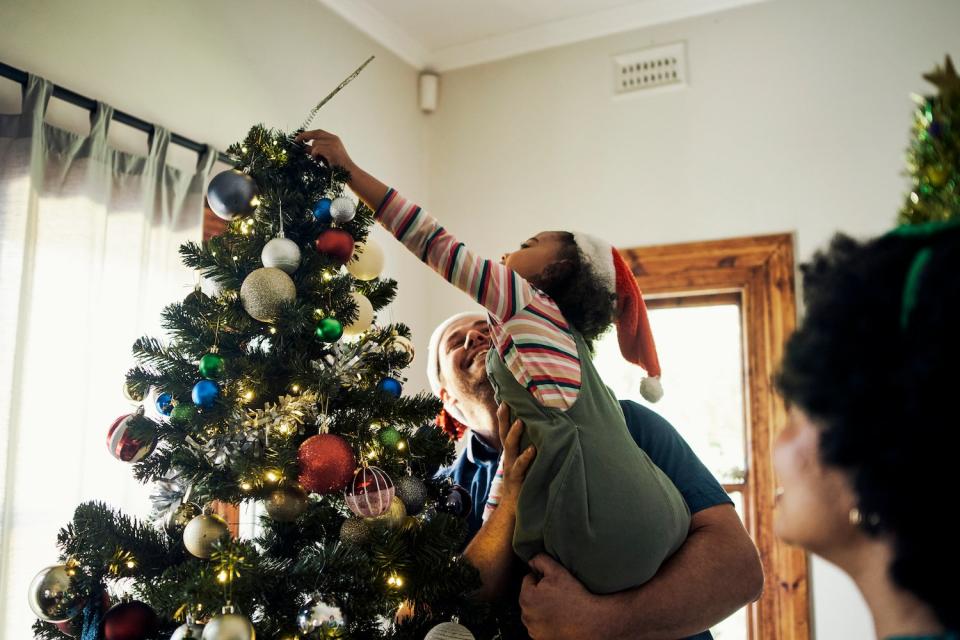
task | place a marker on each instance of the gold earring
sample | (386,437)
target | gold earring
(856,518)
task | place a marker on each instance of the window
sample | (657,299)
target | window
(720,312)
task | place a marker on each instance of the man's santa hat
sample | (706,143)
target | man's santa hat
(633,325)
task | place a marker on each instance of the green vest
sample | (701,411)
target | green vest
(591,499)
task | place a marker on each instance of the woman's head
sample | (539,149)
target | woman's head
(552,262)
(866,453)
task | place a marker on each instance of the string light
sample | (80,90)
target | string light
(327,276)
(273,330)
(395,581)
(401,445)
(248,395)
(272,475)
(246,485)
(222,576)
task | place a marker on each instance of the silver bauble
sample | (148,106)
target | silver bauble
(232,193)
(343,209)
(286,504)
(449,631)
(413,492)
(264,291)
(364,316)
(318,617)
(229,625)
(50,595)
(188,630)
(281,253)
(368,261)
(202,532)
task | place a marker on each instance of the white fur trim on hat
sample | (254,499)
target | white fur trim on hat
(599,255)
(433,357)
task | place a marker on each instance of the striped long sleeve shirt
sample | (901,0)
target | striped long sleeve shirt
(527,329)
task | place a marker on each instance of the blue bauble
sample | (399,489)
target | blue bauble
(321,210)
(391,386)
(165,404)
(205,393)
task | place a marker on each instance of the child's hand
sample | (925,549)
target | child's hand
(327,146)
(515,463)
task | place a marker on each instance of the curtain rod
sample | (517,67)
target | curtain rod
(120,116)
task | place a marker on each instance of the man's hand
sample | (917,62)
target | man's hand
(557,606)
(327,146)
(515,463)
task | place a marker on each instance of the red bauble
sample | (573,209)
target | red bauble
(336,243)
(122,444)
(326,463)
(132,620)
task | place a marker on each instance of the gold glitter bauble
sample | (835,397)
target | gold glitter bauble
(264,291)
(395,516)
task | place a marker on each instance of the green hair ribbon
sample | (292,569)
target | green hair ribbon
(911,286)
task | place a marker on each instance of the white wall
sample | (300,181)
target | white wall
(208,70)
(796,119)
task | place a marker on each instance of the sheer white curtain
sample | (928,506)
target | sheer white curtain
(88,258)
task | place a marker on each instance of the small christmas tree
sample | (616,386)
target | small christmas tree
(933,160)
(277,388)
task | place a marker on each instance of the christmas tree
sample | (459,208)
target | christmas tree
(933,160)
(278,388)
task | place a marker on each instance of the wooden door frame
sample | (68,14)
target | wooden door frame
(761,271)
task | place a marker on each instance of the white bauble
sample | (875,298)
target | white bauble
(403,345)
(369,261)
(281,253)
(229,626)
(364,316)
(343,209)
(201,532)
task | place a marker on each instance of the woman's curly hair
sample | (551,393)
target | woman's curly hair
(578,290)
(884,394)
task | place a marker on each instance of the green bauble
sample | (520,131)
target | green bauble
(329,330)
(389,436)
(212,366)
(182,412)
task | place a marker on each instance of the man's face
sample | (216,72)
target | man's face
(462,358)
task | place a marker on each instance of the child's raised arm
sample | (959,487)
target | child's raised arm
(501,291)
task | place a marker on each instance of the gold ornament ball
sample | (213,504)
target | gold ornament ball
(202,532)
(403,345)
(287,504)
(395,516)
(936,176)
(364,316)
(368,263)
(264,291)
(177,520)
(354,531)
(131,394)
(449,631)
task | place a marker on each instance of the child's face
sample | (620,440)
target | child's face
(534,254)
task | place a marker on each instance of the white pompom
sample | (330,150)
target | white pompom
(651,389)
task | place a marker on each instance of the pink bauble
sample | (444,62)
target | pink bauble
(371,493)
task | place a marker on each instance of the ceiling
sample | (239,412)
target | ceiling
(449,34)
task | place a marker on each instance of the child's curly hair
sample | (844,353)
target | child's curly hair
(578,290)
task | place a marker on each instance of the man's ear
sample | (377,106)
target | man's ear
(446,398)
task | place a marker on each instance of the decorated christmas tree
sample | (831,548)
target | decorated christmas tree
(933,161)
(278,388)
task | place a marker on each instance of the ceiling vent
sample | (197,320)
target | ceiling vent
(654,68)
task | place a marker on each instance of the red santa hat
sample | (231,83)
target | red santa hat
(633,326)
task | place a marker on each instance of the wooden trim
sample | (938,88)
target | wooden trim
(761,269)
(214,226)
